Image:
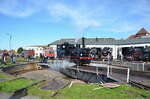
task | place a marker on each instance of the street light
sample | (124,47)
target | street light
(10,37)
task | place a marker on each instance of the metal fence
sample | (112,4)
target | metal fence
(138,66)
(121,74)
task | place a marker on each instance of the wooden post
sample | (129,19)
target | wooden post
(128,75)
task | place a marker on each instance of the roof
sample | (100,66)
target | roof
(104,41)
(43,46)
(3,51)
(141,37)
(98,41)
(133,41)
(57,42)
(140,33)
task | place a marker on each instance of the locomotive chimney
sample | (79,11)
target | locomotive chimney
(83,42)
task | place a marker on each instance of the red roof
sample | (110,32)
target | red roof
(3,51)
(141,32)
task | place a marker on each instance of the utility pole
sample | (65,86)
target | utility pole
(10,38)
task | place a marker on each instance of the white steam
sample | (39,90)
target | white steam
(60,64)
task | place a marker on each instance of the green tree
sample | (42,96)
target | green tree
(19,50)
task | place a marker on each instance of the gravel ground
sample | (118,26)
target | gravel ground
(39,75)
(54,80)
(4,95)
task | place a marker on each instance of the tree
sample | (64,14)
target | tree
(19,50)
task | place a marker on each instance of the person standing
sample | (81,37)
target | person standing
(41,58)
(2,61)
(4,56)
(13,58)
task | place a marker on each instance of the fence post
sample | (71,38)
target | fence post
(137,66)
(77,68)
(128,74)
(96,70)
(124,64)
(111,70)
(143,66)
(107,70)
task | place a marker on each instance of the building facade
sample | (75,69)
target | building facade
(38,49)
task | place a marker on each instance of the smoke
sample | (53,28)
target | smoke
(57,65)
(81,18)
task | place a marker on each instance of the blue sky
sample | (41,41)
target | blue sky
(40,22)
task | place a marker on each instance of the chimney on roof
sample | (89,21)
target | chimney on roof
(96,39)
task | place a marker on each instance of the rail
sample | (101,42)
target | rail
(139,66)
(110,71)
(139,85)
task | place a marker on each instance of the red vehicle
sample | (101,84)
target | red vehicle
(28,53)
(49,53)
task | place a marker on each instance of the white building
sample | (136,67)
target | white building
(37,49)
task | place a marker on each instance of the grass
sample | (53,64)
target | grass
(4,75)
(12,85)
(36,91)
(19,60)
(84,91)
(77,91)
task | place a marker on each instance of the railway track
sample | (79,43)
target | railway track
(139,85)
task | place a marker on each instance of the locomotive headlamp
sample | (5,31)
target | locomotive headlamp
(64,46)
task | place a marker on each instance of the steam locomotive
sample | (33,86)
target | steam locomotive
(75,53)
(137,53)
(101,53)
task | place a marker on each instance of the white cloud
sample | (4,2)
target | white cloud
(21,8)
(113,16)
(76,16)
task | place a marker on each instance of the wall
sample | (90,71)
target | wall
(54,48)
(37,50)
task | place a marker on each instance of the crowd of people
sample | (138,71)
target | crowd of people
(5,56)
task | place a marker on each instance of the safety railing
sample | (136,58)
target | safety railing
(117,73)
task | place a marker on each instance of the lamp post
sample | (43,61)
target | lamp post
(10,38)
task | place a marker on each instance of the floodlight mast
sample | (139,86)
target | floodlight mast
(10,38)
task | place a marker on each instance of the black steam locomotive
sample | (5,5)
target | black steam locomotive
(96,53)
(137,53)
(75,53)
(101,53)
